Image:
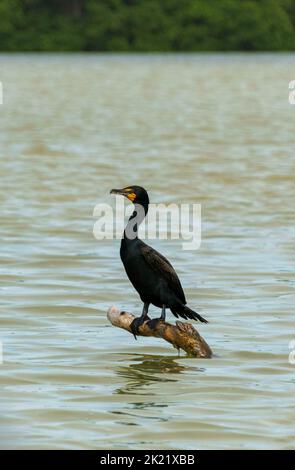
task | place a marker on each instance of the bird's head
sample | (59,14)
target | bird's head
(135,194)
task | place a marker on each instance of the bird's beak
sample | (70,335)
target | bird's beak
(125,192)
(122,192)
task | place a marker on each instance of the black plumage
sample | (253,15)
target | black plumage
(151,274)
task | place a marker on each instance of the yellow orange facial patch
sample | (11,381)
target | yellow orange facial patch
(131,196)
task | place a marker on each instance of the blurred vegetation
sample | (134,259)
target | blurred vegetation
(147,25)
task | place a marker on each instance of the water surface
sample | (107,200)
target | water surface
(211,129)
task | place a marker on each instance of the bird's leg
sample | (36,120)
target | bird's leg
(154,321)
(140,320)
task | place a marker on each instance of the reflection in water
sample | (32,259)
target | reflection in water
(144,372)
(148,369)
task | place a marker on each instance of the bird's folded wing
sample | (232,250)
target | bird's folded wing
(163,267)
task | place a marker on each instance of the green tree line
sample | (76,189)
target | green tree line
(147,25)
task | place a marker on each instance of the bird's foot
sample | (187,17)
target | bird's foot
(154,322)
(137,322)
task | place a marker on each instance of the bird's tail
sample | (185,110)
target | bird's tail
(187,313)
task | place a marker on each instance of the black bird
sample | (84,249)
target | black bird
(151,273)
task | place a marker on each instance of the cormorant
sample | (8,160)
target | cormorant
(151,273)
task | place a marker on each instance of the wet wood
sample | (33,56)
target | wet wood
(181,335)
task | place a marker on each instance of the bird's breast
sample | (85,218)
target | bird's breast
(139,273)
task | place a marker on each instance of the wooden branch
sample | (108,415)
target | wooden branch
(181,336)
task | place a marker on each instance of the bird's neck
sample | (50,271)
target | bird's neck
(138,215)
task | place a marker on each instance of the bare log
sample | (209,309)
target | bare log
(181,336)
